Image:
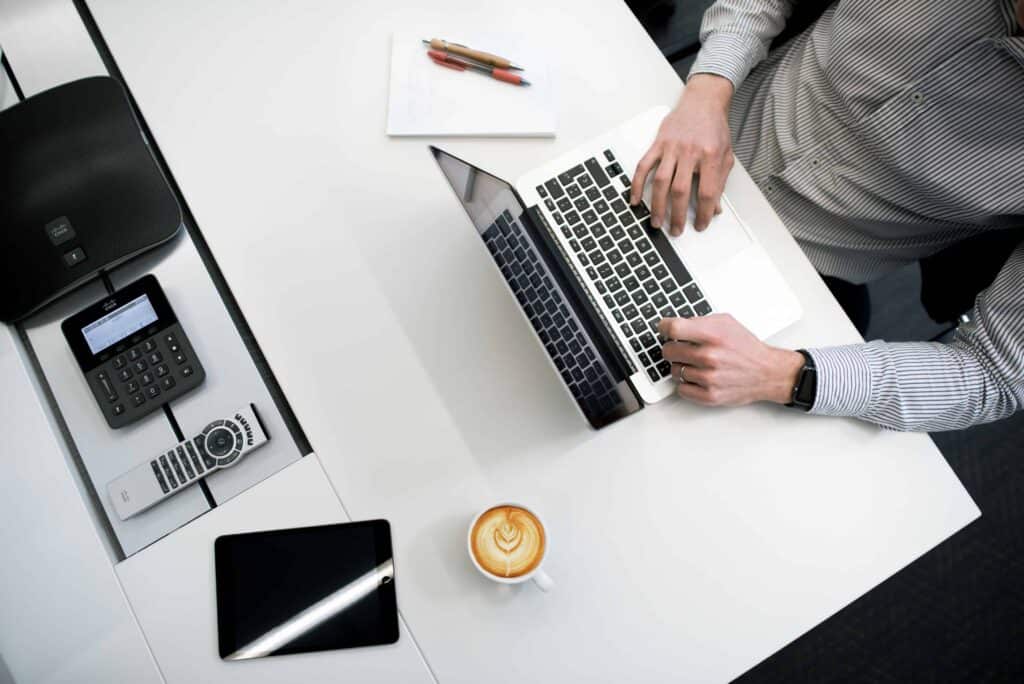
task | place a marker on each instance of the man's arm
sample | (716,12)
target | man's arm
(925,386)
(735,36)
(977,378)
(694,137)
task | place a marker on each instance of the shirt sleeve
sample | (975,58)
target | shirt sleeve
(735,35)
(977,378)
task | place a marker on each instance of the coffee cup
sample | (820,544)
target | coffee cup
(507,543)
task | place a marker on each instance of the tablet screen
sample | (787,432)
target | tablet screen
(305,589)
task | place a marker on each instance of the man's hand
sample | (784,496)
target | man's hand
(722,364)
(693,140)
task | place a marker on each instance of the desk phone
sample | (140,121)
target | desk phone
(133,352)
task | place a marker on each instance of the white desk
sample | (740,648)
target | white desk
(687,543)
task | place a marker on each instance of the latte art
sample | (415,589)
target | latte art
(508,541)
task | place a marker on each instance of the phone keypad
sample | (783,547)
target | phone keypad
(145,375)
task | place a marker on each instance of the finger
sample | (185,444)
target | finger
(684,329)
(640,175)
(694,393)
(709,192)
(681,196)
(718,207)
(659,192)
(681,352)
(690,374)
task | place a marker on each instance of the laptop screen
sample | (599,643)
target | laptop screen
(528,263)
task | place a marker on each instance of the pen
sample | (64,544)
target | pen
(445,60)
(484,58)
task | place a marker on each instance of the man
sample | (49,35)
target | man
(882,134)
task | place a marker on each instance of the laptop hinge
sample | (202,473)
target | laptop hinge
(599,326)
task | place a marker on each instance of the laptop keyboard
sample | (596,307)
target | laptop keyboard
(613,242)
(552,318)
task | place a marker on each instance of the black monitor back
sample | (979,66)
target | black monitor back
(80,192)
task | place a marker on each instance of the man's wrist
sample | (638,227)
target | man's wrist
(711,88)
(783,375)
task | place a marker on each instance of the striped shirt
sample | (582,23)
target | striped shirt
(882,134)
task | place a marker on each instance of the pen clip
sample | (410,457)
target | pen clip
(447,63)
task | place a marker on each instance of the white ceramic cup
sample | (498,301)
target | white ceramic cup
(539,577)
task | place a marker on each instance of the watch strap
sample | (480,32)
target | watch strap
(805,390)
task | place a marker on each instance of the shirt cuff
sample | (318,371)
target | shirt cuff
(731,55)
(844,380)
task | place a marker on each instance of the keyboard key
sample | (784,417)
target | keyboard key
(614,284)
(653,374)
(550,204)
(139,366)
(644,361)
(575,245)
(592,193)
(618,206)
(597,172)
(626,330)
(642,273)
(125,374)
(589,217)
(669,285)
(606,243)
(624,179)
(161,371)
(648,340)
(155,358)
(630,311)
(685,312)
(660,272)
(617,314)
(600,206)
(609,301)
(581,204)
(608,155)
(598,230)
(564,204)
(651,286)
(693,292)
(659,300)
(119,362)
(600,287)
(187,371)
(622,297)
(618,233)
(638,326)
(614,169)
(134,354)
(585,181)
(631,283)
(667,312)
(567,177)
(614,256)
(643,245)
(138,399)
(558,219)
(542,191)
(610,193)
(652,259)
(118,409)
(573,190)
(677,299)
(648,311)
(702,308)
(608,219)
(634,258)
(588,244)
(605,270)
(655,354)
(639,297)
(622,269)
(597,257)
(580,230)
(625,218)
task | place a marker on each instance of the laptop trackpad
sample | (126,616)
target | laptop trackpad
(721,241)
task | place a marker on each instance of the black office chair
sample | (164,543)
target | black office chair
(954,277)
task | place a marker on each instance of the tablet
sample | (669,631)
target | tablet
(305,589)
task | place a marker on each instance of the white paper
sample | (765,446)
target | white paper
(428,99)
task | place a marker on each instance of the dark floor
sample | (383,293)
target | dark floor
(957,613)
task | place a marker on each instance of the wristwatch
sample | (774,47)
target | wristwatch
(806,387)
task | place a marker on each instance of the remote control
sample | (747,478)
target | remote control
(220,445)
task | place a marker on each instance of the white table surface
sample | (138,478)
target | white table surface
(688,544)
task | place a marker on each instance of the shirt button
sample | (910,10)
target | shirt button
(917,98)
(815,162)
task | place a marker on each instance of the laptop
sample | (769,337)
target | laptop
(593,278)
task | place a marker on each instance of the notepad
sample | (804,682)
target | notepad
(427,99)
